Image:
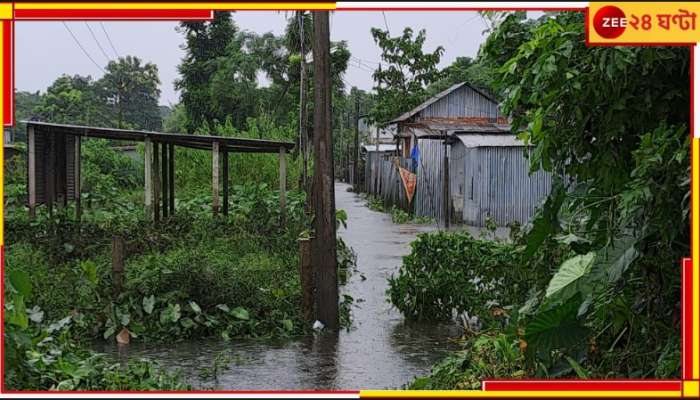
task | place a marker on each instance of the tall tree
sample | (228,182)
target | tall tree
(130,87)
(71,99)
(402,84)
(205,44)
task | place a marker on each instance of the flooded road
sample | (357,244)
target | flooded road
(380,351)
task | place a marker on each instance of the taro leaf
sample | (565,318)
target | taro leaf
(556,328)
(240,313)
(195,307)
(170,314)
(186,323)
(90,271)
(17,315)
(57,326)
(35,314)
(109,332)
(21,283)
(148,303)
(617,258)
(571,277)
(288,325)
(580,371)
(223,307)
(124,318)
(546,222)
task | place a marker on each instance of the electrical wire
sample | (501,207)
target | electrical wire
(385,23)
(109,39)
(104,53)
(82,48)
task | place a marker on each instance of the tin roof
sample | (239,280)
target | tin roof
(437,97)
(489,140)
(179,139)
(382,147)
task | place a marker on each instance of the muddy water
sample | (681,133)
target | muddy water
(380,351)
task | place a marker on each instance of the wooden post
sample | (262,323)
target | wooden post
(76,176)
(156,182)
(283,186)
(117,264)
(215,177)
(303,133)
(165,179)
(306,279)
(148,178)
(50,174)
(31,171)
(171,176)
(61,172)
(224,167)
(446,184)
(324,244)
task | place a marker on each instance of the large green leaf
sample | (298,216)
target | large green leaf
(614,260)
(571,277)
(546,222)
(21,283)
(556,328)
(148,304)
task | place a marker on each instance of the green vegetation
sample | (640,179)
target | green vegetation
(592,288)
(41,355)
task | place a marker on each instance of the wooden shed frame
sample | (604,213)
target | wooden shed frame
(54,158)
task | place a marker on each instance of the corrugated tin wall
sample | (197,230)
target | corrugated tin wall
(463,102)
(428,197)
(383,179)
(499,187)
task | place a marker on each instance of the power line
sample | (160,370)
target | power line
(109,39)
(104,53)
(83,48)
(385,23)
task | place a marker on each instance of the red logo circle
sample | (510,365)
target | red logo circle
(610,22)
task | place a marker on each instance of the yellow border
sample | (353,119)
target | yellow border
(2,150)
(179,6)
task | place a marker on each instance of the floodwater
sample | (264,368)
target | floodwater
(380,351)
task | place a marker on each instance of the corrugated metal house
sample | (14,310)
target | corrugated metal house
(488,166)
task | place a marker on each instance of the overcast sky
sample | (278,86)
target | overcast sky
(45,50)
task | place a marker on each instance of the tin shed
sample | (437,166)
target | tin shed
(490,178)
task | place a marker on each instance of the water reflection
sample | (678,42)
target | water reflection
(381,351)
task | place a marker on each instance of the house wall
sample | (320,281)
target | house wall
(498,185)
(428,197)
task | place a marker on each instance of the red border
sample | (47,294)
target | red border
(82,14)
(686,320)
(8,79)
(491,385)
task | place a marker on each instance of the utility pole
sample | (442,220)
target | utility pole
(356,172)
(324,243)
(303,134)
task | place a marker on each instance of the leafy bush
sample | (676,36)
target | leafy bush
(485,356)
(450,273)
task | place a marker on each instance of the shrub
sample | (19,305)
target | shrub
(454,272)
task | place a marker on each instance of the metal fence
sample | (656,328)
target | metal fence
(382,179)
